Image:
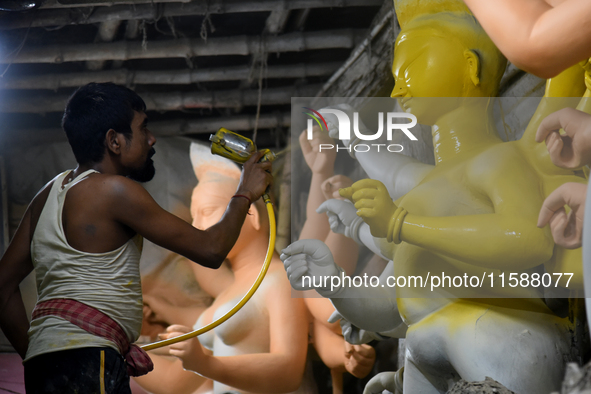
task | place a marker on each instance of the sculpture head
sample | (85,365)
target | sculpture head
(169,286)
(442,51)
(218,180)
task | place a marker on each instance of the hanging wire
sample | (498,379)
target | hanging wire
(171,25)
(158,11)
(262,62)
(17,49)
(206,21)
(144,35)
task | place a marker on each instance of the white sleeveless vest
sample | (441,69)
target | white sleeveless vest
(109,282)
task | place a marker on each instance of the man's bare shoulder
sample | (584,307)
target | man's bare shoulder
(116,186)
(106,197)
(40,198)
(118,197)
(37,204)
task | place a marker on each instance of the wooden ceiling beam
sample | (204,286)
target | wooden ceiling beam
(162,77)
(106,33)
(169,101)
(188,48)
(169,128)
(384,26)
(82,13)
(209,125)
(276,21)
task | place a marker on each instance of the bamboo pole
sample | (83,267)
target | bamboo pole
(387,19)
(186,48)
(209,125)
(170,128)
(166,77)
(107,32)
(82,13)
(169,101)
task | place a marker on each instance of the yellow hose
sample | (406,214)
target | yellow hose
(244,300)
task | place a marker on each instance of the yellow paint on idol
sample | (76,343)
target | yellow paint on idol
(477,210)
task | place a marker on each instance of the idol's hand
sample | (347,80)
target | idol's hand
(331,186)
(380,382)
(567,229)
(373,204)
(319,162)
(312,259)
(359,359)
(353,334)
(190,351)
(573,148)
(342,218)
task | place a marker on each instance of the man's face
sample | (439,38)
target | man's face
(140,150)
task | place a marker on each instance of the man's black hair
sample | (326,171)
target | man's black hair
(91,111)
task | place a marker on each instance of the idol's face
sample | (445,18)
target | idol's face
(426,67)
(210,199)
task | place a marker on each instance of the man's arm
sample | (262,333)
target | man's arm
(14,322)
(534,35)
(135,208)
(15,265)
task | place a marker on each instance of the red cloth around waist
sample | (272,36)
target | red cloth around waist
(97,323)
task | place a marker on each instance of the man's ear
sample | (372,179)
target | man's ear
(473,66)
(113,141)
(254,216)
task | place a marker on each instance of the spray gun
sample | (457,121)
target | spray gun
(237,148)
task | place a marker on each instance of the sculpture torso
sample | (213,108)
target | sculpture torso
(469,184)
(248,330)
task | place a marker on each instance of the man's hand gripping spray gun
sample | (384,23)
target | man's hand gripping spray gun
(238,149)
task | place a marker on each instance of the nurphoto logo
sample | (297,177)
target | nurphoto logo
(344,129)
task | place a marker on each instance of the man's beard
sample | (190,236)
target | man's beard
(146,173)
